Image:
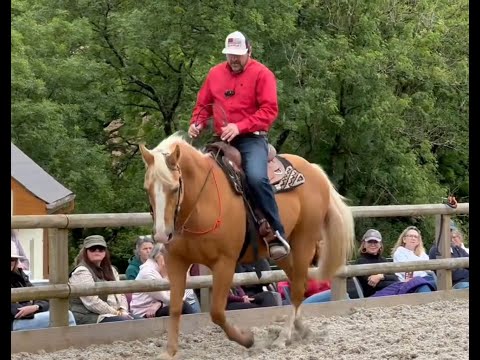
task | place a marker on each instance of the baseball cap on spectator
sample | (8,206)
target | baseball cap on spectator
(94,240)
(235,44)
(372,234)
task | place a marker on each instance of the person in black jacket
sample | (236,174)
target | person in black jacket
(460,277)
(27,315)
(371,250)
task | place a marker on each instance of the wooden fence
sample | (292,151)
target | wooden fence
(59,290)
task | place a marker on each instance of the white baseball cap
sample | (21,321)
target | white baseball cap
(235,44)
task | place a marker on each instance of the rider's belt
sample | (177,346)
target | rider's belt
(260,133)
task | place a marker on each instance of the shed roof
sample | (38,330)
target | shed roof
(38,181)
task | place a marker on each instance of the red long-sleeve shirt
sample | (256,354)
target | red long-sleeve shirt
(253,105)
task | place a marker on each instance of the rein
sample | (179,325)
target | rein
(217,222)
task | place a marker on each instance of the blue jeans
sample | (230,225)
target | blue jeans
(254,152)
(423,289)
(40,321)
(196,307)
(322,296)
(461,285)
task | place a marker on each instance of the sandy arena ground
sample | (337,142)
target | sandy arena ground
(438,330)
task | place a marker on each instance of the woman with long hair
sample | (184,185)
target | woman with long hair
(93,265)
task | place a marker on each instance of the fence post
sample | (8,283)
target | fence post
(58,274)
(205,293)
(339,288)
(442,229)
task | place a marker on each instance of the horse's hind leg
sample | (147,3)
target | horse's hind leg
(297,273)
(222,274)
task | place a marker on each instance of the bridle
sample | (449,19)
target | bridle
(180,194)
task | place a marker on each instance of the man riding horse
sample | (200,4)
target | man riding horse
(247,91)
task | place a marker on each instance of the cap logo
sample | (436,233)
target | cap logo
(234,42)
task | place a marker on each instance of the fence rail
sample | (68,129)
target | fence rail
(74,221)
(59,291)
(205,281)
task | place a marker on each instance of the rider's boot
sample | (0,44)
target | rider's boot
(278,247)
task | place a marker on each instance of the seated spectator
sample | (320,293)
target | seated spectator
(23,263)
(457,239)
(156,303)
(93,265)
(252,296)
(260,265)
(143,247)
(409,247)
(460,277)
(238,299)
(27,315)
(370,252)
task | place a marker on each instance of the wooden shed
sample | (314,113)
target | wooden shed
(35,192)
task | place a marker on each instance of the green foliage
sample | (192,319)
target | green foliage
(376,92)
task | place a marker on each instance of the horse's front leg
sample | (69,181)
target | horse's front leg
(222,279)
(177,272)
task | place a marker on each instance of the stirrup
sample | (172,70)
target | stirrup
(284,242)
(279,241)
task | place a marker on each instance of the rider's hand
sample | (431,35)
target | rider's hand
(194,130)
(229,132)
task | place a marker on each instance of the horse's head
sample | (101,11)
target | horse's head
(163,183)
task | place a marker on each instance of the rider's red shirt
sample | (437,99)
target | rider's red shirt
(248,99)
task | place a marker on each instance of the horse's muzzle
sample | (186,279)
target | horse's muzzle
(162,238)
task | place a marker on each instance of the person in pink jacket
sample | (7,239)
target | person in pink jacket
(156,303)
(241,95)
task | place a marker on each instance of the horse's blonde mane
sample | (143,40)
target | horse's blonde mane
(160,169)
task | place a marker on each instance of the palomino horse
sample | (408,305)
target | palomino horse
(202,220)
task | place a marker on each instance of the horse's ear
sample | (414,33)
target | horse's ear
(172,159)
(147,156)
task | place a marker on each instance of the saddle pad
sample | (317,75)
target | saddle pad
(290,180)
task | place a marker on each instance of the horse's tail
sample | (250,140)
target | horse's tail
(338,234)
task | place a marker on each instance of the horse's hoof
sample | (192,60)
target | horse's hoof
(279,343)
(248,338)
(303,331)
(165,356)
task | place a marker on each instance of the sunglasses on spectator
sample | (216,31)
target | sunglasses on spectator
(373,242)
(96,248)
(412,236)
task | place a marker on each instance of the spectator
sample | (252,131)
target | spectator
(252,296)
(260,265)
(460,277)
(409,247)
(370,252)
(238,299)
(94,266)
(156,303)
(24,263)
(143,247)
(27,315)
(457,240)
